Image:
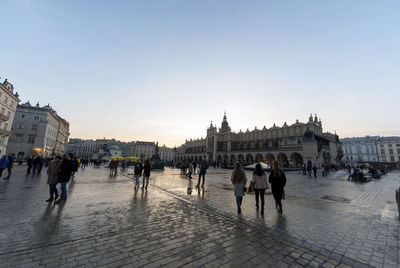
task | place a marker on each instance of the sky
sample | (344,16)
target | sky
(162,70)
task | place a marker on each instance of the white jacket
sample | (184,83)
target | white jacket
(260,182)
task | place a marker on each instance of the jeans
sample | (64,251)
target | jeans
(204,178)
(53,190)
(239,200)
(145,179)
(137,183)
(260,192)
(64,189)
(1,171)
(34,169)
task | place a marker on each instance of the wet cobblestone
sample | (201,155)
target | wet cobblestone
(105,223)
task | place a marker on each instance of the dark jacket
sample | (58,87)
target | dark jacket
(36,161)
(277,182)
(203,167)
(65,172)
(146,169)
(11,160)
(138,168)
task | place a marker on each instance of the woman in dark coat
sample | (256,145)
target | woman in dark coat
(277,179)
(64,175)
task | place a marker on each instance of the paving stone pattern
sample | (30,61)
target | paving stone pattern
(105,223)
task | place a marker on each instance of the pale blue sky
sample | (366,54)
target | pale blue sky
(161,70)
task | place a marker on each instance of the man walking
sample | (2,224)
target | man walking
(64,176)
(202,172)
(11,160)
(3,164)
(137,173)
(146,173)
(315,171)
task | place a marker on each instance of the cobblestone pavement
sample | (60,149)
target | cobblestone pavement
(105,223)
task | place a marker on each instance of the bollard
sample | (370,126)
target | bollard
(398,200)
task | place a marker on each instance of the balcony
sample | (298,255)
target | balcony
(4,117)
(4,132)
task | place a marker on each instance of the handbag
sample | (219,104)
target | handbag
(251,187)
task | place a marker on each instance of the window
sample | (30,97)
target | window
(2,110)
(390,151)
(31,139)
(21,126)
(5,100)
(5,126)
(22,116)
(36,117)
(18,138)
(392,159)
(8,114)
(11,104)
(382,151)
(390,145)
(34,127)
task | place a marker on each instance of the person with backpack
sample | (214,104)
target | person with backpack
(137,173)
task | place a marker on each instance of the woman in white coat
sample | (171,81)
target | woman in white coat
(239,180)
(260,184)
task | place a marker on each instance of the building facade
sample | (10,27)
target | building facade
(166,154)
(360,149)
(292,145)
(8,105)
(371,149)
(35,131)
(143,149)
(389,150)
(62,136)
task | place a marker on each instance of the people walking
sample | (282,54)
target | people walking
(11,161)
(202,172)
(137,173)
(239,180)
(190,170)
(35,164)
(29,161)
(315,171)
(146,173)
(309,167)
(277,178)
(260,184)
(41,164)
(3,164)
(64,175)
(52,178)
(194,166)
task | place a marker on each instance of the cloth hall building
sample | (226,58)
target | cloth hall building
(292,145)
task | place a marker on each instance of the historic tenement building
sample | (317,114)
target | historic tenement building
(292,145)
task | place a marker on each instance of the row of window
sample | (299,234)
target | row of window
(19,138)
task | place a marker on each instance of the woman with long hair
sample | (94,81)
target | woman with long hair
(239,180)
(277,179)
(260,183)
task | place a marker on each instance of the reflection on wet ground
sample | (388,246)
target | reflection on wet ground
(105,222)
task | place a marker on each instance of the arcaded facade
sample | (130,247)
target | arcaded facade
(292,145)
